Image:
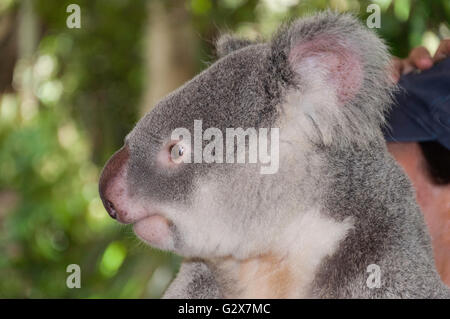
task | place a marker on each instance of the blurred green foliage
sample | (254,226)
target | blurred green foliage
(87,83)
(85,87)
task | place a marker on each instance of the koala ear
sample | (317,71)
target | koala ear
(337,72)
(329,63)
(333,51)
(227,43)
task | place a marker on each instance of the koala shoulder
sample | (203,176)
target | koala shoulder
(193,281)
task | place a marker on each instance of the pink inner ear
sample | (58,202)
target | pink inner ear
(342,65)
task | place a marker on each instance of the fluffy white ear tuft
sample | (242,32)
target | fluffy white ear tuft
(336,70)
(324,61)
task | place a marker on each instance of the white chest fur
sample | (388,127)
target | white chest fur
(288,268)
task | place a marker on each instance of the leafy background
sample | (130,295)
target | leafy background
(68,97)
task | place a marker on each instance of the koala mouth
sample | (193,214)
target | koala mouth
(155,230)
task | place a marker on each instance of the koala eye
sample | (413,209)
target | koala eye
(176,153)
(173,153)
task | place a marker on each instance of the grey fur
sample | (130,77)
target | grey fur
(194,281)
(228,43)
(389,231)
(346,164)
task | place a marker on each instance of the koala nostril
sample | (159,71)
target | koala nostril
(110,209)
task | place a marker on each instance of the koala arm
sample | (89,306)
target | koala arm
(193,281)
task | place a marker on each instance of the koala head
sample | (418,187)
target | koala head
(322,81)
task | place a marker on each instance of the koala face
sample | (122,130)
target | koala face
(180,206)
(308,81)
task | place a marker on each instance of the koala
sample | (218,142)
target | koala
(337,206)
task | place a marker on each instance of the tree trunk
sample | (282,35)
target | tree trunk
(170,50)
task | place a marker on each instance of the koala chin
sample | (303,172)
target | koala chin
(337,208)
